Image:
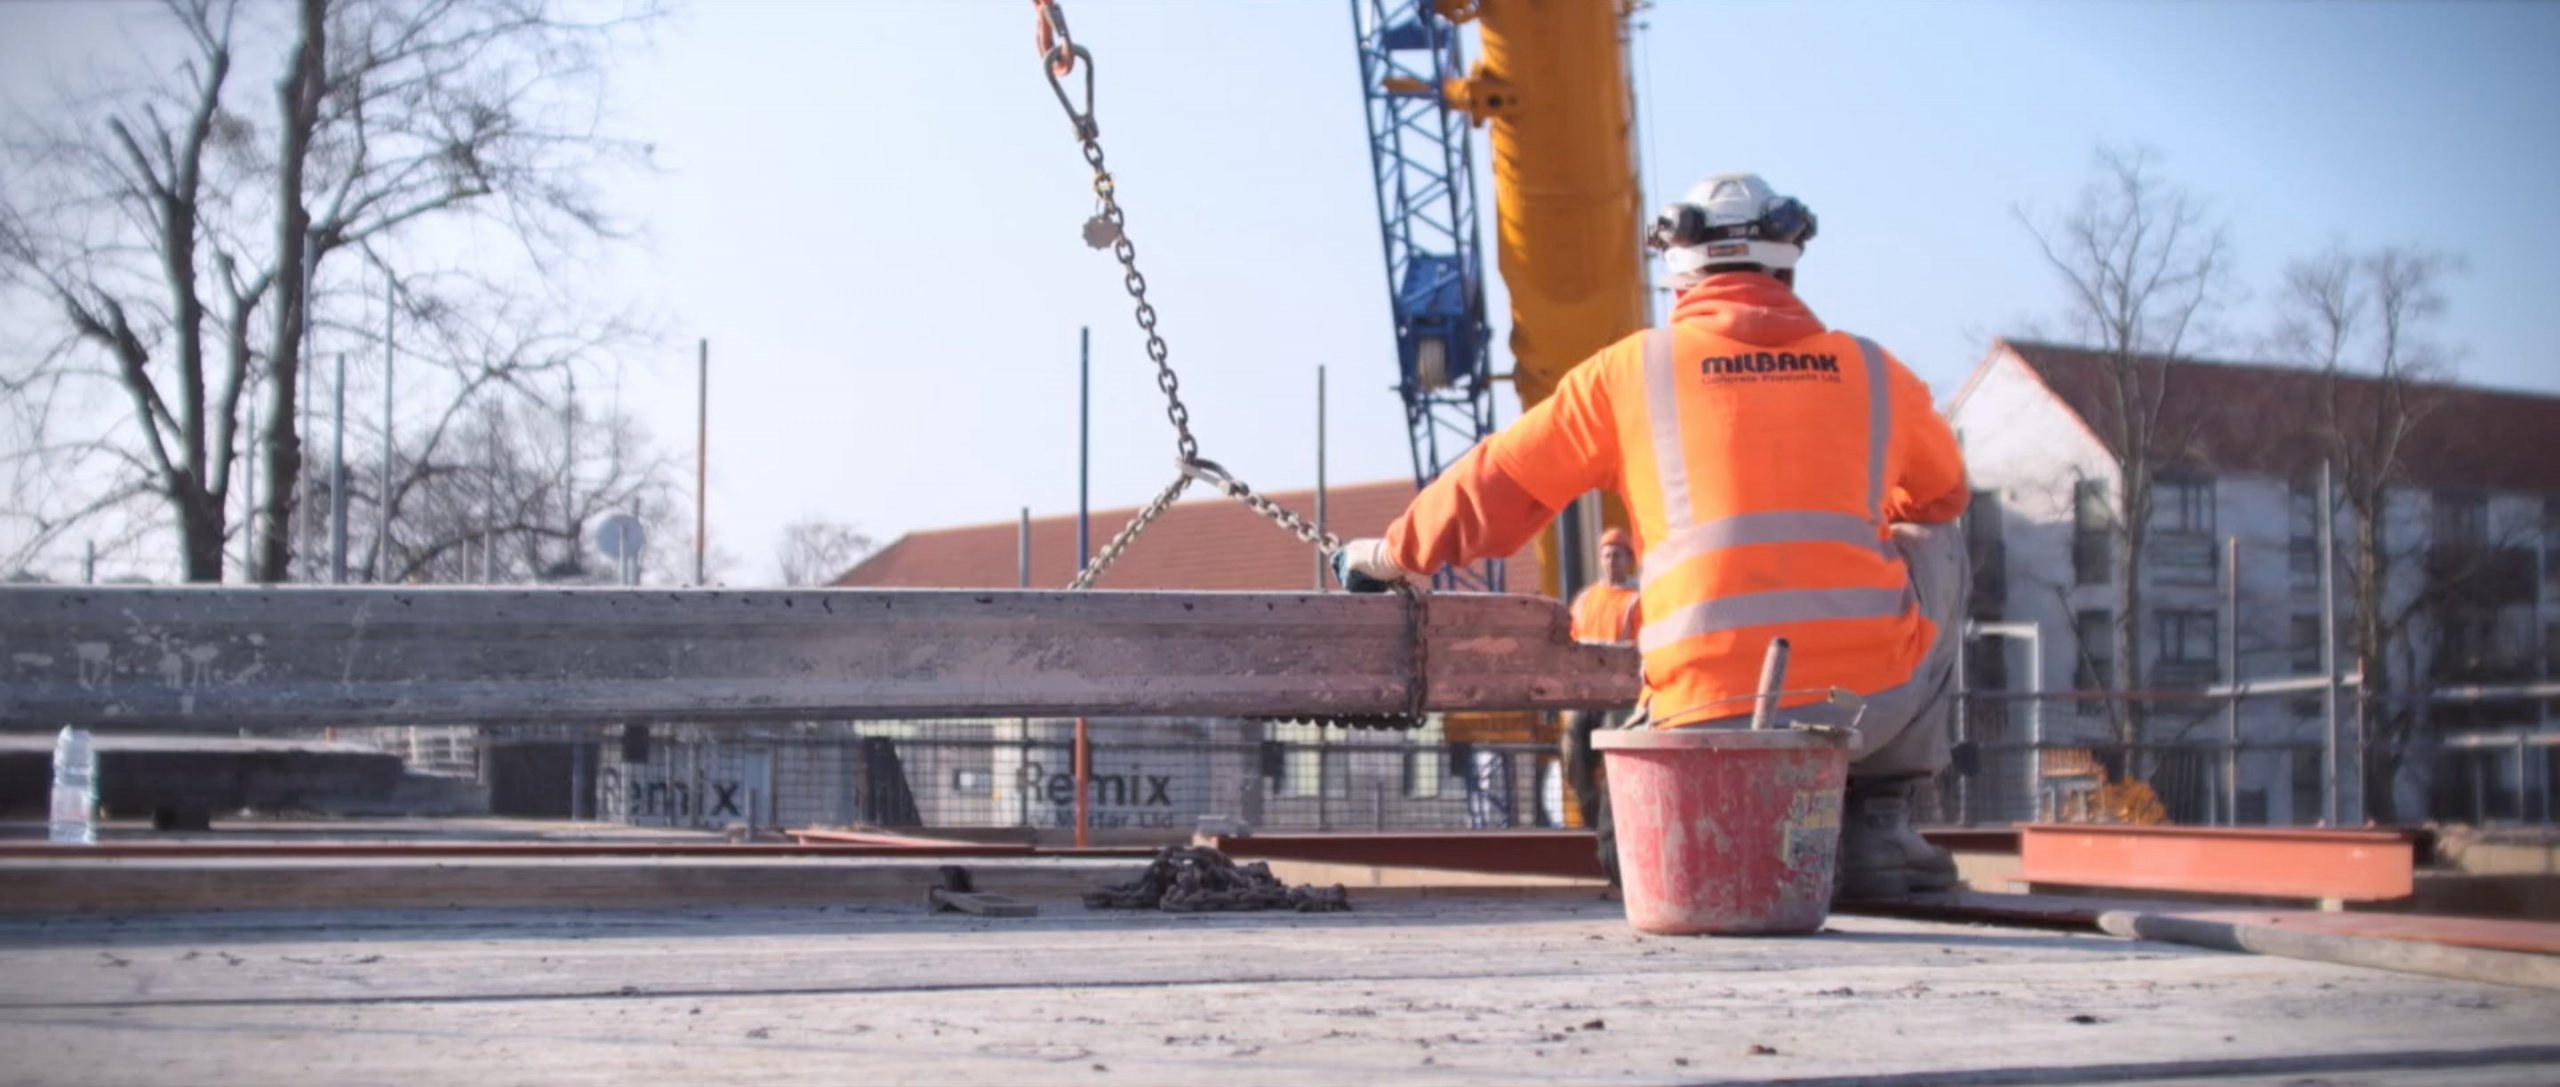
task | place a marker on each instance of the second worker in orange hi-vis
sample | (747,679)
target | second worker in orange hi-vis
(1783,480)
(1606,612)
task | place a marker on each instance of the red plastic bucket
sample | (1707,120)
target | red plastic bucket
(1727,831)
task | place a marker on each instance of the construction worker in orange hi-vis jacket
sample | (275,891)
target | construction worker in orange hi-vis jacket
(1607,612)
(1783,481)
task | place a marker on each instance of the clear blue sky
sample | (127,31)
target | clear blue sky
(871,209)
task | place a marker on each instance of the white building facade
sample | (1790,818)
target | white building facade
(2239,454)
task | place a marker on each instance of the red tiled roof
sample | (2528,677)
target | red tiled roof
(2271,420)
(1207,542)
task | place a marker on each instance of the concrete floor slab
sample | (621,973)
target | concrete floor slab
(1543,988)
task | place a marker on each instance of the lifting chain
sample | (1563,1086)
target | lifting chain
(1128,534)
(1060,56)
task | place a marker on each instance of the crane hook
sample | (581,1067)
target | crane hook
(1053,35)
(1058,55)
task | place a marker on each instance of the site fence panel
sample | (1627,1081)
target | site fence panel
(984,775)
(2017,760)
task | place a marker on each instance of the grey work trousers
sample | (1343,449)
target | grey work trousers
(1908,729)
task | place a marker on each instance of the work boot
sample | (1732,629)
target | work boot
(1581,763)
(1881,855)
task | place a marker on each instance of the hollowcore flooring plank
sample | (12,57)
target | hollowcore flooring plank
(1557,990)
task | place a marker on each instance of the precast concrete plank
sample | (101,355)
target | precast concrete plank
(900,949)
(231,657)
(1509,992)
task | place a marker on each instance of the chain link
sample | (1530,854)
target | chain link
(1110,552)
(1109,226)
(1109,229)
(1306,531)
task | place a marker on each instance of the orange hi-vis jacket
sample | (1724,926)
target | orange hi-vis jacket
(1761,458)
(1606,614)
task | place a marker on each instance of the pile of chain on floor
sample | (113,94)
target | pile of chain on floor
(1198,879)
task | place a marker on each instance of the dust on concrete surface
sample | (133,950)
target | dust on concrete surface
(1547,990)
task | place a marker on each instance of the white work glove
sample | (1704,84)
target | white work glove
(1363,566)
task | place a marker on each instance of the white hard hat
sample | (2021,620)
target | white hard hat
(1730,221)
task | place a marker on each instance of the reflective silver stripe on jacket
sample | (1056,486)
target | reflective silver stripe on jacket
(1662,410)
(1684,540)
(1879,422)
(1747,529)
(1769,609)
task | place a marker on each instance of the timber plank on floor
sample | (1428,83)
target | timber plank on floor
(161,884)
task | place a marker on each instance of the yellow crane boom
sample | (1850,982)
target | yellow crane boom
(1552,87)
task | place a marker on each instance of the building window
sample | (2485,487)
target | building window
(2303,649)
(2187,635)
(2181,543)
(2302,538)
(1303,771)
(2307,793)
(2489,643)
(2302,658)
(2182,506)
(1986,548)
(2467,643)
(2253,808)
(2091,517)
(1307,763)
(2551,664)
(2550,542)
(972,783)
(2517,642)
(1426,761)
(1425,768)
(2187,560)
(2097,637)
(2461,521)
(2186,644)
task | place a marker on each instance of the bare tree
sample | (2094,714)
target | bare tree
(185,234)
(511,497)
(488,355)
(39,507)
(2143,264)
(817,552)
(2362,320)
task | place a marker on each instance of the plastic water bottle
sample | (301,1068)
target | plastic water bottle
(75,788)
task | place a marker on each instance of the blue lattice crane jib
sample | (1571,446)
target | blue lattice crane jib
(1421,160)
(1440,315)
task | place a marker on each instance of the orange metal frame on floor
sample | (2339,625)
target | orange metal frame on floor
(2344,865)
(2338,865)
(2376,865)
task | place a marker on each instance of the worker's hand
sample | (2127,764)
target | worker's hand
(1363,566)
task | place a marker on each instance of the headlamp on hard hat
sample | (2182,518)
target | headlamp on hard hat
(1785,221)
(1730,221)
